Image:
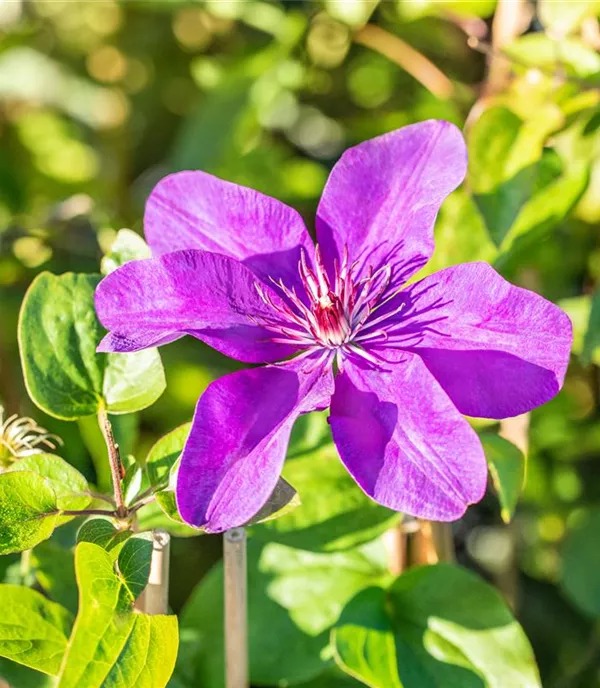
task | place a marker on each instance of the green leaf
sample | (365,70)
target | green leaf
(67,482)
(461,235)
(503,156)
(544,211)
(570,54)
(33,630)
(54,568)
(127,246)
(205,138)
(133,382)
(579,309)
(134,562)
(581,563)
(20,676)
(332,677)
(133,480)
(110,644)
(435,626)
(28,511)
(162,513)
(101,532)
(58,336)
(563,17)
(294,598)
(160,467)
(506,464)
(310,432)
(591,340)
(164,454)
(335,514)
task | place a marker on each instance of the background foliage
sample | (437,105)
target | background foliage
(98,100)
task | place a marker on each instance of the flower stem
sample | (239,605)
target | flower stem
(236,614)
(114,458)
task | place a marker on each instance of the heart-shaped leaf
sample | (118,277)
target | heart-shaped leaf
(134,564)
(58,336)
(110,644)
(435,626)
(101,532)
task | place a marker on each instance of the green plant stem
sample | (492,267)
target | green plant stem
(98,496)
(87,512)
(141,503)
(114,459)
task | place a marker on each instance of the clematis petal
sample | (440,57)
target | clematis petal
(404,442)
(195,210)
(237,445)
(382,197)
(209,296)
(496,349)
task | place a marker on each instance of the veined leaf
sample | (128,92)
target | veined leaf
(67,482)
(28,510)
(110,644)
(33,630)
(435,626)
(58,336)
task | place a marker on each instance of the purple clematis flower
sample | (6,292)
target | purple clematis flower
(397,364)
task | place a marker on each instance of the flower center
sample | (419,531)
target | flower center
(337,314)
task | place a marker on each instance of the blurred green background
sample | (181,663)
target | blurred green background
(99,99)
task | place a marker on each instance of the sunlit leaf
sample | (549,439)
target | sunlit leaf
(67,482)
(28,511)
(506,464)
(58,336)
(565,16)
(570,54)
(294,598)
(110,644)
(544,211)
(128,245)
(591,341)
(503,156)
(435,626)
(33,630)
(334,513)
(101,532)
(164,454)
(134,564)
